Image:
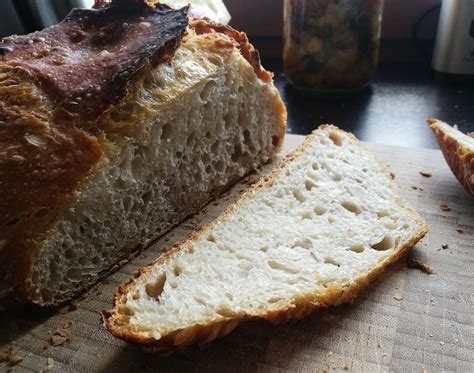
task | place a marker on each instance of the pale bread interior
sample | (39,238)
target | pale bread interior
(190,129)
(453,132)
(329,217)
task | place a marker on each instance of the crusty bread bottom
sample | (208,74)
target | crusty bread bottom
(192,128)
(312,234)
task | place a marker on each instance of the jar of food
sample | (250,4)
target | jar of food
(331,45)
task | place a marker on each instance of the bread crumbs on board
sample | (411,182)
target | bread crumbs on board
(417,263)
(459,230)
(398,296)
(444,206)
(60,337)
(426,174)
(9,357)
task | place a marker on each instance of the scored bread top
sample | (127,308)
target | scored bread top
(85,63)
(58,89)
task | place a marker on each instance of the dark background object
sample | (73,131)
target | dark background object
(393,110)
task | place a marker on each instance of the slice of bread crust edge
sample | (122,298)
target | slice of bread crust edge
(458,153)
(334,295)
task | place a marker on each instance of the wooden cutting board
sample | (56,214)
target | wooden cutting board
(430,326)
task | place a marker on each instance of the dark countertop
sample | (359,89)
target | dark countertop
(392,110)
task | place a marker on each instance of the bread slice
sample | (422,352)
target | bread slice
(146,118)
(458,150)
(310,235)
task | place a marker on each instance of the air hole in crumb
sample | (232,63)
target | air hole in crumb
(211,238)
(247,138)
(274,300)
(305,214)
(206,158)
(177,270)
(155,289)
(82,229)
(147,198)
(357,249)
(190,139)
(331,219)
(208,135)
(237,154)
(303,243)
(329,260)
(229,296)
(383,213)
(74,274)
(336,177)
(319,210)
(351,206)
(264,249)
(225,312)
(308,184)
(166,131)
(386,243)
(215,147)
(281,266)
(220,166)
(391,225)
(298,194)
(179,154)
(335,138)
(315,166)
(245,265)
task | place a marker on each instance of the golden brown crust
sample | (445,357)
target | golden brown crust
(459,157)
(205,26)
(51,142)
(54,86)
(334,294)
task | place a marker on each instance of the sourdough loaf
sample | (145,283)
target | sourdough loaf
(310,235)
(458,150)
(115,125)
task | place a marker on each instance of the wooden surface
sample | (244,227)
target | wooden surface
(431,328)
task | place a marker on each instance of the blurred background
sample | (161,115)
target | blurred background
(408,86)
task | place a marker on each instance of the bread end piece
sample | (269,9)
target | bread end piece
(115,320)
(458,150)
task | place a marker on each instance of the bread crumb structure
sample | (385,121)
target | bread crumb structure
(130,118)
(310,235)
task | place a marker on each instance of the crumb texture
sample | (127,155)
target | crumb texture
(326,219)
(190,129)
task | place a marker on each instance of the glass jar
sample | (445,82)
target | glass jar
(331,45)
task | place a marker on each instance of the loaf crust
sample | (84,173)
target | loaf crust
(54,121)
(116,322)
(458,155)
